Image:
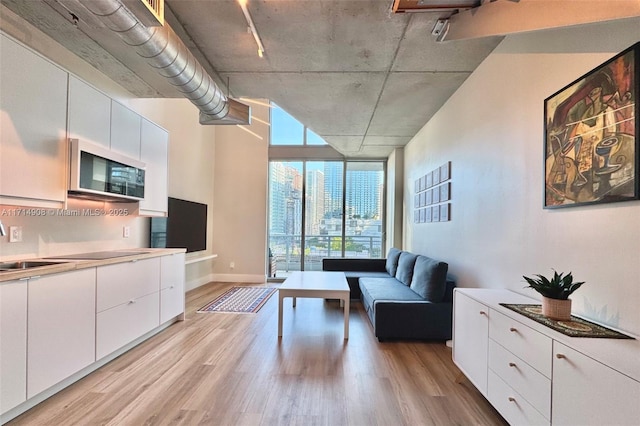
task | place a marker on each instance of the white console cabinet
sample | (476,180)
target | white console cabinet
(471,334)
(534,375)
(587,392)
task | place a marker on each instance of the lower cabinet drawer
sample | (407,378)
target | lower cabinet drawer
(521,377)
(522,341)
(513,406)
(171,303)
(124,323)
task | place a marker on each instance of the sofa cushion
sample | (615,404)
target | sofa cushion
(359,274)
(429,278)
(392,261)
(375,289)
(405,267)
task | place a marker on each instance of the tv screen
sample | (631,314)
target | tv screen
(184,227)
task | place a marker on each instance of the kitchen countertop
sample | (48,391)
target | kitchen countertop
(65,265)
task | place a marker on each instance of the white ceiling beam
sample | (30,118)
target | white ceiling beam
(504,17)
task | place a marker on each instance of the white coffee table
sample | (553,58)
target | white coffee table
(320,284)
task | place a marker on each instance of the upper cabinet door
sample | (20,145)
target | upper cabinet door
(125,131)
(33,149)
(154,151)
(89,113)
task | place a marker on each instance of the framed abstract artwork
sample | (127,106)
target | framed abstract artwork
(591,136)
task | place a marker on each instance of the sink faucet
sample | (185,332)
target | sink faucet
(2,231)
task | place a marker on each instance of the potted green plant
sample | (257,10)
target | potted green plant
(555,294)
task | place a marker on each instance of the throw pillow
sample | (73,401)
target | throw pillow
(405,267)
(392,261)
(429,279)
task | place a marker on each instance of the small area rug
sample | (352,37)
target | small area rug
(576,327)
(240,300)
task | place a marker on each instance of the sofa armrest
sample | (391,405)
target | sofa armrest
(353,264)
(410,319)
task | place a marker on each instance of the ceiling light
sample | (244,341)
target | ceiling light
(252,27)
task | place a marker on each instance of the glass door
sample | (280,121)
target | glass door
(319,210)
(364,209)
(323,212)
(285,217)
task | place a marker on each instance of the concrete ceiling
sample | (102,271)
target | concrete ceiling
(360,76)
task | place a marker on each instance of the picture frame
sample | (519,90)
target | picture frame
(445,171)
(429,180)
(591,136)
(445,191)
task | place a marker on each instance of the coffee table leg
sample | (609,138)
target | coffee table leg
(346,318)
(280,314)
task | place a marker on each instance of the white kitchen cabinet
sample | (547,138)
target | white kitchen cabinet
(13,344)
(128,303)
(61,327)
(89,113)
(122,324)
(172,270)
(125,130)
(586,392)
(154,152)
(33,148)
(121,282)
(471,339)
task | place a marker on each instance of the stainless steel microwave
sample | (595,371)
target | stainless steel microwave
(99,173)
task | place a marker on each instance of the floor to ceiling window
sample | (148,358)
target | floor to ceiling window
(320,207)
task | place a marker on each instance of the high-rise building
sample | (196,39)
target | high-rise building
(333,184)
(315,199)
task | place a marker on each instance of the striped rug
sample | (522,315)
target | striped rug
(240,300)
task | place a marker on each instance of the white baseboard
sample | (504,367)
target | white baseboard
(190,285)
(225,278)
(239,278)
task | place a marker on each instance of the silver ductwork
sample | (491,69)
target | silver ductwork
(164,51)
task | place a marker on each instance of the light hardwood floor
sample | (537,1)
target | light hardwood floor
(231,369)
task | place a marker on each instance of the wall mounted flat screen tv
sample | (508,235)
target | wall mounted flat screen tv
(184,227)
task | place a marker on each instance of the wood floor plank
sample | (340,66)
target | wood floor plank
(232,369)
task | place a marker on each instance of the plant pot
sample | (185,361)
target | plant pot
(556,309)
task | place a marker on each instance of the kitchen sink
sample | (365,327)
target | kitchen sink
(13,266)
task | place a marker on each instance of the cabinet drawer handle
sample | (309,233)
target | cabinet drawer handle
(132,301)
(483,313)
(512,399)
(560,356)
(512,364)
(172,286)
(513,330)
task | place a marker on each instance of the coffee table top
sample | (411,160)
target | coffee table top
(315,280)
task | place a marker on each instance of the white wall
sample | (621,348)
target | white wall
(491,130)
(240,207)
(191,174)
(394,213)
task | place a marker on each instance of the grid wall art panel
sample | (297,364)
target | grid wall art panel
(432,199)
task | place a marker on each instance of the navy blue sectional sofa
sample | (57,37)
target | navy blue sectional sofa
(406,296)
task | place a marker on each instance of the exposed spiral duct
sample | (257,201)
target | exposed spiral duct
(164,51)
